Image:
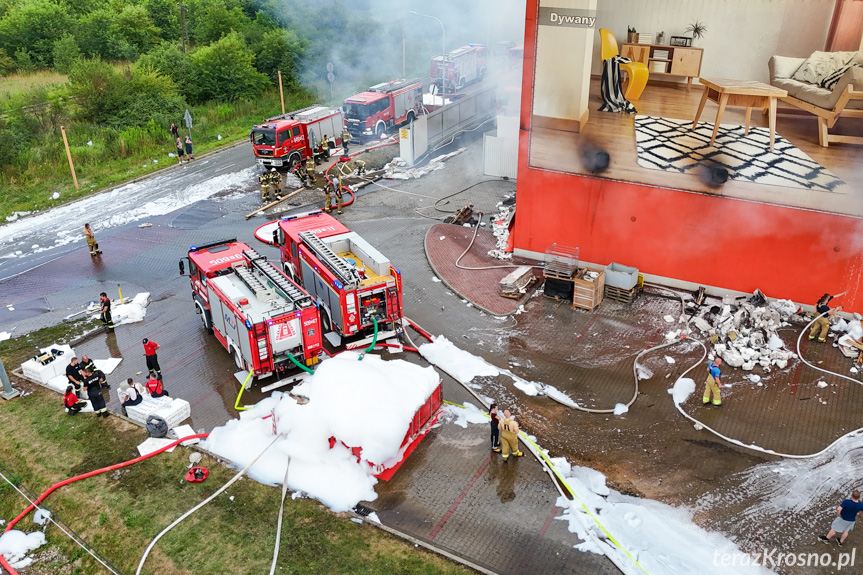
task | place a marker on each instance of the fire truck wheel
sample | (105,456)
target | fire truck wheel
(380,129)
(293,161)
(460,84)
(238,360)
(326,323)
(205,317)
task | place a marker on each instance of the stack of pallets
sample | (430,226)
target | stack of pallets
(561,264)
(517,282)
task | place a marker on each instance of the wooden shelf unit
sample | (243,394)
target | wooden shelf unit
(681,61)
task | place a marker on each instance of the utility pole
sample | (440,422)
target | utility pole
(281,93)
(8,392)
(69,156)
(185,29)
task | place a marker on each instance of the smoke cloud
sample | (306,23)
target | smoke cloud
(373,41)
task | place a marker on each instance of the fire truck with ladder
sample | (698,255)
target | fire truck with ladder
(265,320)
(463,65)
(356,287)
(287,139)
(382,107)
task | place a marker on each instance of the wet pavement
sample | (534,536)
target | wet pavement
(650,451)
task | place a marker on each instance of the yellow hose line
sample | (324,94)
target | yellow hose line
(239,395)
(560,477)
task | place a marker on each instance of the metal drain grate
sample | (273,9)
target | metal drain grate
(362,510)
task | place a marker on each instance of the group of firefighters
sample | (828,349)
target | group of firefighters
(271,182)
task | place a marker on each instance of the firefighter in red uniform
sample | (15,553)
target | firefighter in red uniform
(154,387)
(150,348)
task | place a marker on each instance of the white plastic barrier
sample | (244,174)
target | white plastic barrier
(34,370)
(148,406)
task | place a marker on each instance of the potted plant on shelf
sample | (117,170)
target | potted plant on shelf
(631,35)
(697,29)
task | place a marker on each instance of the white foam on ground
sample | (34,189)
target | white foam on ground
(15,545)
(663,539)
(367,404)
(458,363)
(462,416)
(683,388)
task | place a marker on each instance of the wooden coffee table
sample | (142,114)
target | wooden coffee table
(748,93)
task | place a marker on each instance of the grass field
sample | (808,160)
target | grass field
(16,85)
(119,513)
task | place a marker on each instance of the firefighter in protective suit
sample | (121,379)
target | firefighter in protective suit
(509,436)
(264,179)
(276,183)
(310,172)
(300,172)
(328,196)
(346,140)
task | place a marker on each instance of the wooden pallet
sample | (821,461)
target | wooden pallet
(620,294)
(520,294)
(558,275)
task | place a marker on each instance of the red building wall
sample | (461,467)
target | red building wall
(710,240)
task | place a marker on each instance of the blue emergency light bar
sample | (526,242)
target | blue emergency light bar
(337,283)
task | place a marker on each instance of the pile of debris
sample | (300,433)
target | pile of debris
(398,168)
(500,227)
(744,332)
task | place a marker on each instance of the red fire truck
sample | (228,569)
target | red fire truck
(463,66)
(264,319)
(287,139)
(354,284)
(382,107)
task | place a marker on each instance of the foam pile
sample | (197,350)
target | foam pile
(367,405)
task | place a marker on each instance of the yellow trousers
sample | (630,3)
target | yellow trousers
(711,387)
(823,324)
(508,442)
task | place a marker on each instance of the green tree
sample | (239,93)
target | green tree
(225,70)
(212,19)
(122,35)
(7,64)
(66,53)
(23,61)
(168,60)
(33,26)
(279,50)
(166,17)
(134,25)
(97,88)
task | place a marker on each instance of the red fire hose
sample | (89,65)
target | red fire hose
(56,486)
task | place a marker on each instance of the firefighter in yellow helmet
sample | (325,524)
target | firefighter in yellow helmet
(509,435)
(361,167)
(328,196)
(276,183)
(339,197)
(325,148)
(264,179)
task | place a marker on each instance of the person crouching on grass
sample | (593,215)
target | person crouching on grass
(71,402)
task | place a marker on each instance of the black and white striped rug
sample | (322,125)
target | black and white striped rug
(669,144)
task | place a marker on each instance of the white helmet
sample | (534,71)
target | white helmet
(273,169)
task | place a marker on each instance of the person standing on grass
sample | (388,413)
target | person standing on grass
(94,393)
(175,131)
(713,384)
(71,402)
(150,348)
(179,150)
(73,374)
(509,436)
(495,432)
(105,305)
(189,154)
(92,244)
(846,515)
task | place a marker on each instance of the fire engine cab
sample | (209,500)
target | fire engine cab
(461,66)
(287,139)
(354,284)
(382,107)
(265,320)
